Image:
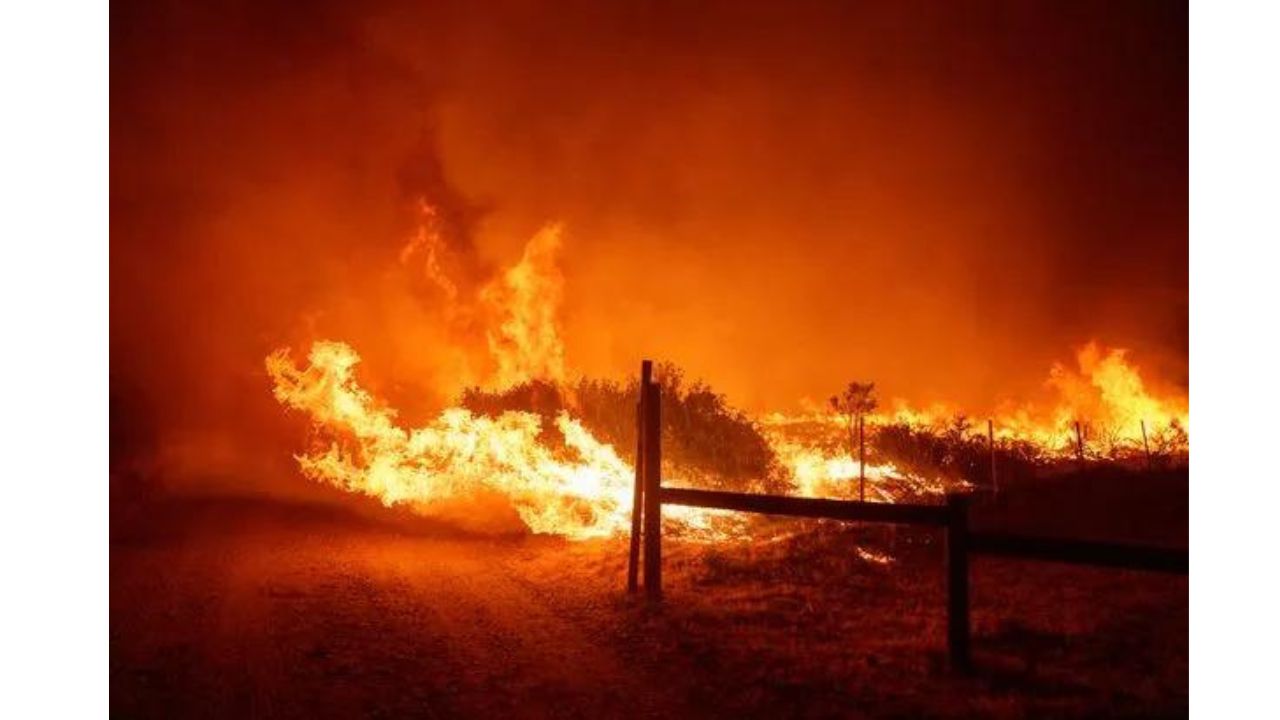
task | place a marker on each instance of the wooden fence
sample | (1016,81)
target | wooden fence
(952,517)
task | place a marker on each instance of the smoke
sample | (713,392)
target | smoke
(944,199)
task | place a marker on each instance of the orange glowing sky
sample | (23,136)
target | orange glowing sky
(942,198)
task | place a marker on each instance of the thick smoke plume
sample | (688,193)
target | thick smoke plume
(778,197)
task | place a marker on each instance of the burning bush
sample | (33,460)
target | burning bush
(711,443)
(955,451)
(707,435)
(951,451)
(1163,446)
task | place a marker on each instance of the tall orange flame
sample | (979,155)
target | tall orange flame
(526,341)
(563,479)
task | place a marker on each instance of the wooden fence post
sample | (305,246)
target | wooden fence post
(1079,446)
(991,450)
(958,581)
(862,462)
(637,497)
(652,493)
(1146,447)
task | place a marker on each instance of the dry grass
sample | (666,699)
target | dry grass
(807,627)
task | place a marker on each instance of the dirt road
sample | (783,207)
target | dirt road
(306,620)
(266,611)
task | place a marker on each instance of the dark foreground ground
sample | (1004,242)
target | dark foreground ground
(236,609)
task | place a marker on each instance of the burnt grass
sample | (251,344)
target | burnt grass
(239,608)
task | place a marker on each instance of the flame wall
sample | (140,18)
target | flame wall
(943,198)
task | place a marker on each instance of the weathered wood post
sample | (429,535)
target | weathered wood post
(637,497)
(958,581)
(1146,447)
(862,461)
(1079,446)
(652,492)
(991,451)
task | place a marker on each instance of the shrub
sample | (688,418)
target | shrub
(710,443)
(950,451)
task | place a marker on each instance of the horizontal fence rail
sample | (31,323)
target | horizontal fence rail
(953,518)
(806,507)
(1080,552)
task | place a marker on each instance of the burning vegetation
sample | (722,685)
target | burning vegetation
(383,274)
(558,446)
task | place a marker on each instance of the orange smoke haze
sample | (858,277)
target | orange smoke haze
(579,486)
(944,199)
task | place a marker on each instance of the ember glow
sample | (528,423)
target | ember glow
(562,479)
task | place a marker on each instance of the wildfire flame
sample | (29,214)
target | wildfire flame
(1105,395)
(563,479)
(526,342)
(583,491)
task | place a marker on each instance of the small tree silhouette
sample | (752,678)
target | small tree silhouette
(857,400)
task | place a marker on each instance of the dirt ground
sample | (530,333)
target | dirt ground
(254,609)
